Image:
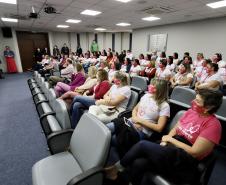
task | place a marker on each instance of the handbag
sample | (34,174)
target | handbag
(108,109)
(126,135)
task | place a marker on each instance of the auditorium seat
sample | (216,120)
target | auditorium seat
(180,99)
(82,159)
(139,84)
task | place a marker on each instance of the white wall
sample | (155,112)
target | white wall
(125,41)
(118,44)
(12,43)
(207,36)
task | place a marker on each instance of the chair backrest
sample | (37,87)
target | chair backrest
(174,121)
(183,95)
(194,80)
(51,97)
(62,115)
(133,100)
(140,83)
(221,113)
(90,142)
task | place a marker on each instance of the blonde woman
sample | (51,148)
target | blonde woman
(114,101)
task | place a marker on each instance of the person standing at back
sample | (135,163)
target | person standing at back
(65,49)
(9,57)
(94,47)
(56,51)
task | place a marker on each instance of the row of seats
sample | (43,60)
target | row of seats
(83,154)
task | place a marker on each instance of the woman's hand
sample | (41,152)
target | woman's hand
(135,119)
(99,102)
(138,126)
(167,138)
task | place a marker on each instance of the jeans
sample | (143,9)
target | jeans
(79,103)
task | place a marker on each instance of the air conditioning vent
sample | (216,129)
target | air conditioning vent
(156,10)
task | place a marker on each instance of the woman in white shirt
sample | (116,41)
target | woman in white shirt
(183,76)
(199,60)
(170,65)
(162,72)
(114,101)
(212,80)
(135,68)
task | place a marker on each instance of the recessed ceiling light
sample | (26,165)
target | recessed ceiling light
(217,4)
(100,29)
(9,19)
(62,26)
(123,24)
(90,12)
(73,21)
(152,18)
(9,1)
(124,1)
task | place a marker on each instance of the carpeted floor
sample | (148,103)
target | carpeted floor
(21,140)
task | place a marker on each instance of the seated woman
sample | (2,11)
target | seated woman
(135,68)
(212,80)
(114,68)
(126,66)
(89,83)
(76,80)
(149,71)
(170,65)
(149,117)
(183,76)
(114,101)
(162,72)
(89,97)
(177,156)
(200,72)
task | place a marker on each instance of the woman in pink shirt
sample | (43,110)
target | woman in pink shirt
(177,156)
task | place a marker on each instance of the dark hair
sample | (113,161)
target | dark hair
(175,54)
(187,67)
(137,61)
(186,54)
(189,59)
(211,99)
(208,61)
(219,56)
(141,56)
(163,62)
(214,65)
(148,56)
(117,66)
(170,59)
(122,77)
(163,53)
(79,67)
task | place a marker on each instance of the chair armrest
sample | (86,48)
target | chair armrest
(59,141)
(87,175)
(46,114)
(126,113)
(41,101)
(179,103)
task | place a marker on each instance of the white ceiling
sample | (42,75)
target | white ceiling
(112,12)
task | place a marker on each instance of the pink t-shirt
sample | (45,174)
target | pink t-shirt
(192,125)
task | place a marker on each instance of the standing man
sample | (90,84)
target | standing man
(56,51)
(65,50)
(94,47)
(79,50)
(9,57)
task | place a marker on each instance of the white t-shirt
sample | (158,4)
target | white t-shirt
(215,77)
(222,73)
(129,55)
(123,68)
(111,74)
(163,74)
(221,64)
(149,110)
(124,91)
(171,67)
(197,63)
(134,71)
(200,73)
(144,62)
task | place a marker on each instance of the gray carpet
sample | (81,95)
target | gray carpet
(21,140)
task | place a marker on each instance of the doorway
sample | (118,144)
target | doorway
(28,42)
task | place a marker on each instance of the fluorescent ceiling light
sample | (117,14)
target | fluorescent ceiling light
(217,4)
(90,12)
(100,29)
(9,1)
(9,19)
(150,18)
(62,26)
(73,21)
(124,1)
(123,24)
